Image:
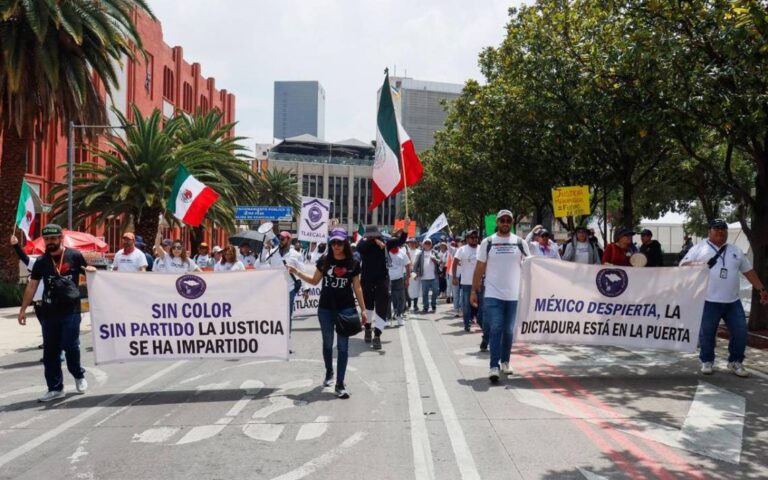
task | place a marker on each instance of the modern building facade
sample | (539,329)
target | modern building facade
(164,81)
(299,109)
(419,107)
(340,171)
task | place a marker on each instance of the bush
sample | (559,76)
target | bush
(11,294)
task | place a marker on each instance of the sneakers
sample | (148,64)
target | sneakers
(506,369)
(400,321)
(433,310)
(367,335)
(81,384)
(425,311)
(738,369)
(341,392)
(493,375)
(376,343)
(328,378)
(484,345)
(706,368)
(51,395)
(466,328)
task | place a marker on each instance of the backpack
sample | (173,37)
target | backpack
(519,247)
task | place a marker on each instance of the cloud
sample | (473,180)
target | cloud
(345,44)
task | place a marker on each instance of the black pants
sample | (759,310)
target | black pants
(376,297)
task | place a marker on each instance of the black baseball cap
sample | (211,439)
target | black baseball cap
(623,232)
(582,228)
(52,230)
(545,233)
(646,232)
(718,223)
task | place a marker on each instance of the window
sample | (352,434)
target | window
(34,158)
(338,192)
(203,104)
(312,186)
(168,83)
(362,198)
(187,99)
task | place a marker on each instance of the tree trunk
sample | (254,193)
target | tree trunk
(758,317)
(197,237)
(627,212)
(147,226)
(12,169)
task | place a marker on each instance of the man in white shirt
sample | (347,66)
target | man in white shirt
(464,264)
(725,262)
(399,273)
(281,257)
(129,258)
(499,259)
(427,263)
(414,286)
(543,246)
(247,256)
(203,259)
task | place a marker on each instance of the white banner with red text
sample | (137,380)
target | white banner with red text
(642,308)
(146,316)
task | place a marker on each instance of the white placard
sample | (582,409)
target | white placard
(644,308)
(141,316)
(313,223)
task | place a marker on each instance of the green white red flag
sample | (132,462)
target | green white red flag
(25,212)
(190,199)
(396,164)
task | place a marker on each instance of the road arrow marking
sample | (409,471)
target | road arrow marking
(310,431)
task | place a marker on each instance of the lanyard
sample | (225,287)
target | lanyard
(722,255)
(61,262)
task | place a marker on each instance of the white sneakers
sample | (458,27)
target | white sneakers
(400,321)
(81,384)
(707,368)
(493,375)
(738,369)
(506,369)
(51,395)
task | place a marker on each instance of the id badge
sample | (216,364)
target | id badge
(723,273)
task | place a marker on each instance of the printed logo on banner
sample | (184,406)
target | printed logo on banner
(612,282)
(190,286)
(315,214)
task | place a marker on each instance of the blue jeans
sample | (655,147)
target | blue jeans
(327,329)
(61,332)
(735,320)
(468,309)
(426,286)
(500,317)
(457,297)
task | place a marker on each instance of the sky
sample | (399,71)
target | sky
(247,45)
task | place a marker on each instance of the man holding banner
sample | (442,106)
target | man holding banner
(499,259)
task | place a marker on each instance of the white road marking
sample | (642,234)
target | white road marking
(323,460)
(265,432)
(591,476)
(277,404)
(211,386)
(757,373)
(22,391)
(192,379)
(202,432)
(80,452)
(29,421)
(303,383)
(310,431)
(423,464)
(154,435)
(464,458)
(56,431)
(99,375)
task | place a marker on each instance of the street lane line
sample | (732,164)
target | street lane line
(323,460)
(464,458)
(56,431)
(423,464)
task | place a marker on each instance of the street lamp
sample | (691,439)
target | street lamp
(71,161)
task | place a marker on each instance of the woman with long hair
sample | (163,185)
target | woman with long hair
(176,260)
(340,273)
(229,261)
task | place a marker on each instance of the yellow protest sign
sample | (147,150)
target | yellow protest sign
(571,201)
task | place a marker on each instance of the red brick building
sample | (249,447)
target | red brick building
(166,81)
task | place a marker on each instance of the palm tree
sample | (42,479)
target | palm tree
(137,179)
(278,187)
(51,54)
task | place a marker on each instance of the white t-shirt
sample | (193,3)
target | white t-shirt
(248,260)
(204,261)
(229,267)
(539,251)
(176,265)
(502,272)
(399,261)
(581,254)
(724,276)
(129,262)
(468,257)
(429,266)
(158,266)
(273,259)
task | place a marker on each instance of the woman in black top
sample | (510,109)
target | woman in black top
(340,274)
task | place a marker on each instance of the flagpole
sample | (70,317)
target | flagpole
(399,145)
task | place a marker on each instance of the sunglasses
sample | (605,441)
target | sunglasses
(337,243)
(504,220)
(177,247)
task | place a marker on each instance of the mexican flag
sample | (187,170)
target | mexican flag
(25,212)
(396,164)
(190,198)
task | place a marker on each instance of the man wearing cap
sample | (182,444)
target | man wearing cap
(129,258)
(375,277)
(203,259)
(651,249)
(247,256)
(499,260)
(618,252)
(580,250)
(414,286)
(543,246)
(280,257)
(427,270)
(464,264)
(725,262)
(59,269)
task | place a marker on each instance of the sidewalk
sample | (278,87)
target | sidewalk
(15,338)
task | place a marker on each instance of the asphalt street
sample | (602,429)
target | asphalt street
(420,408)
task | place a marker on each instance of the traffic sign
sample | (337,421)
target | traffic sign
(262,213)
